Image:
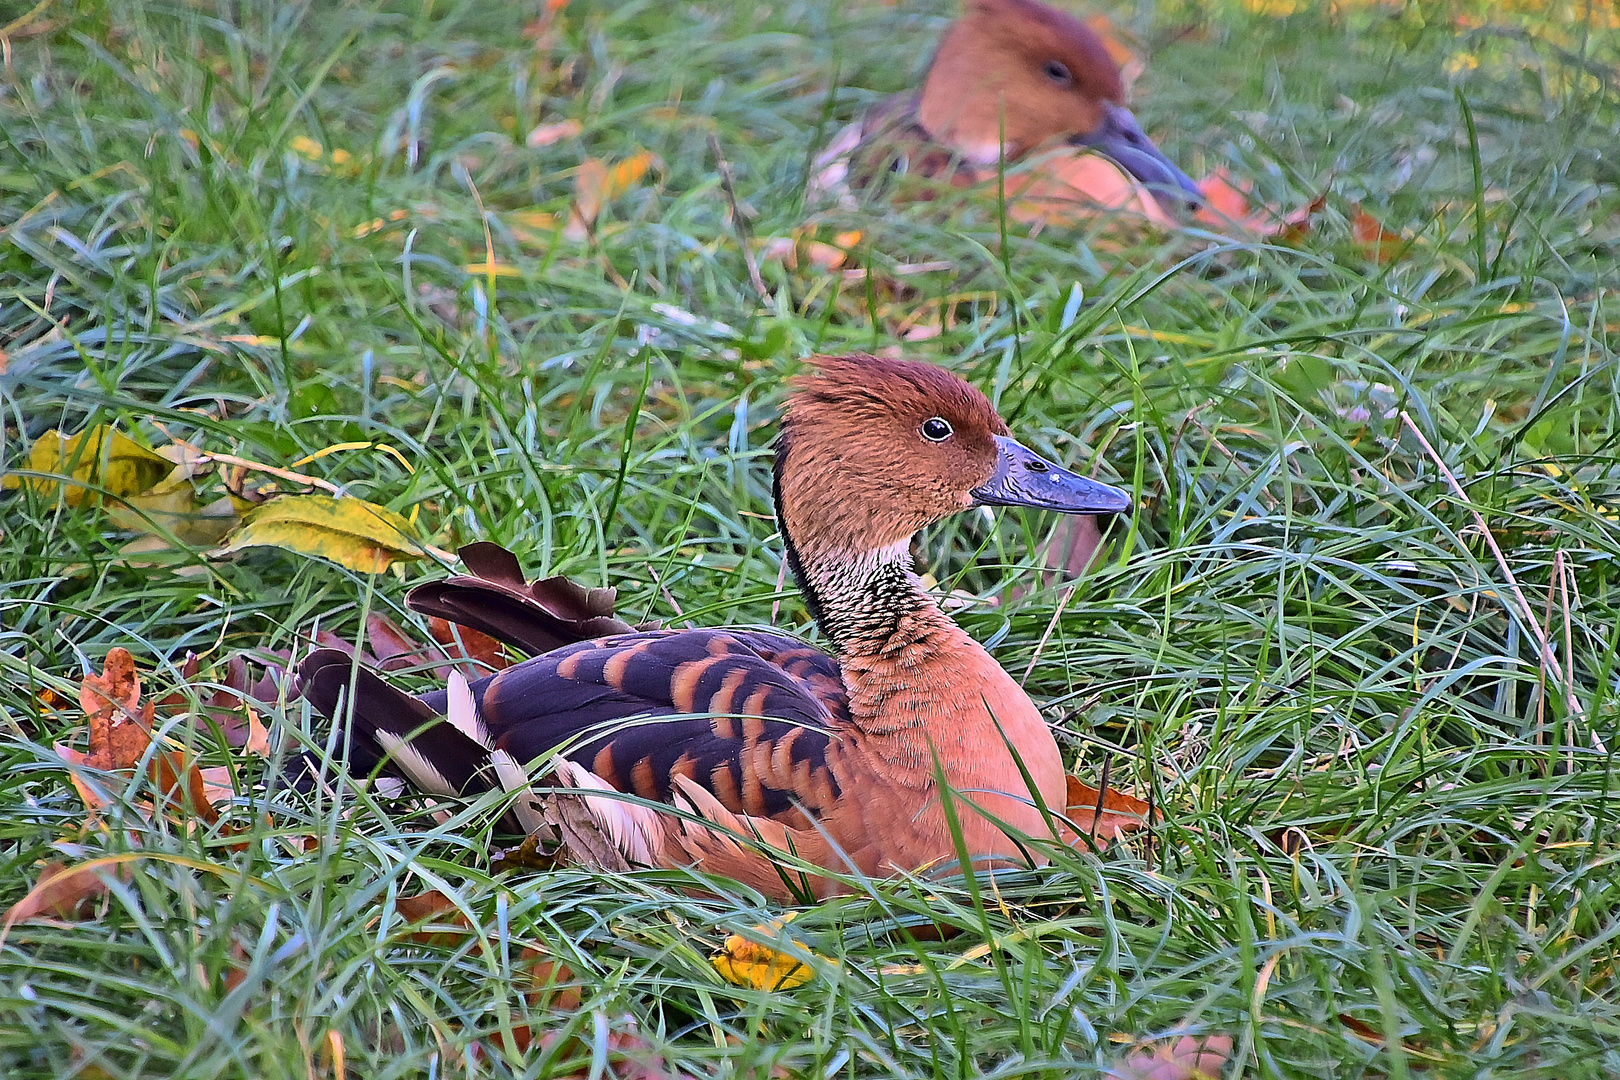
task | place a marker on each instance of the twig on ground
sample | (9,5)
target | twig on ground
(739,223)
(1525,610)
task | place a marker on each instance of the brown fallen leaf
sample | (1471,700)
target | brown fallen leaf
(62,893)
(230,704)
(1102,815)
(121,734)
(1376,242)
(1186,1058)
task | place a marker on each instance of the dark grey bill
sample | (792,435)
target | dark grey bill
(1024,478)
(1121,138)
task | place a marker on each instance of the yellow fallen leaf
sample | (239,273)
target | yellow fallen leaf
(596,183)
(353,533)
(98,458)
(492,269)
(175,513)
(627,173)
(743,962)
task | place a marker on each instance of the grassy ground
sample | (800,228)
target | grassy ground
(1388,846)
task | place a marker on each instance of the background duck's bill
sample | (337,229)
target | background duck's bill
(1122,139)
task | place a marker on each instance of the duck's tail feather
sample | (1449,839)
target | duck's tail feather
(388,732)
(533,616)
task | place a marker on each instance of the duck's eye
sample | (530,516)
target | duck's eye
(1058,72)
(935,429)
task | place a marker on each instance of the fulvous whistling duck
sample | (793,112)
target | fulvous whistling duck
(1010,77)
(836,757)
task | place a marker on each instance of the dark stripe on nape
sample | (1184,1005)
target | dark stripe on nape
(779,464)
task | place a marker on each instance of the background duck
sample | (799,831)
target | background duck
(1010,77)
(836,758)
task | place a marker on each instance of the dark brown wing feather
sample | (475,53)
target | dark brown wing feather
(536,616)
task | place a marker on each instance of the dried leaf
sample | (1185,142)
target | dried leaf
(1186,1058)
(356,534)
(258,736)
(95,460)
(175,513)
(596,184)
(485,653)
(1119,813)
(744,962)
(628,173)
(796,251)
(120,730)
(489,268)
(61,893)
(590,181)
(1228,203)
(546,134)
(121,733)
(1376,242)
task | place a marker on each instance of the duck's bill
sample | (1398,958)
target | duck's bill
(1122,139)
(1024,478)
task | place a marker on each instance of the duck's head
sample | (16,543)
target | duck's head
(872,450)
(1021,74)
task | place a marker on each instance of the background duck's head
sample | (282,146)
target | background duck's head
(1019,71)
(872,450)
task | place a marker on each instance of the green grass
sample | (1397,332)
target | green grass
(1378,804)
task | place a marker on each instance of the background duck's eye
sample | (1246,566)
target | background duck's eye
(935,429)
(1058,72)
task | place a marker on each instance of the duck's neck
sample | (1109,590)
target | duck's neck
(869,603)
(865,598)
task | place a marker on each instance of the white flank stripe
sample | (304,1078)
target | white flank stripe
(463,713)
(414,765)
(526,806)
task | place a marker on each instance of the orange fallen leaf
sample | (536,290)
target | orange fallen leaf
(1102,815)
(120,735)
(485,653)
(1376,242)
(1229,203)
(1068,187)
